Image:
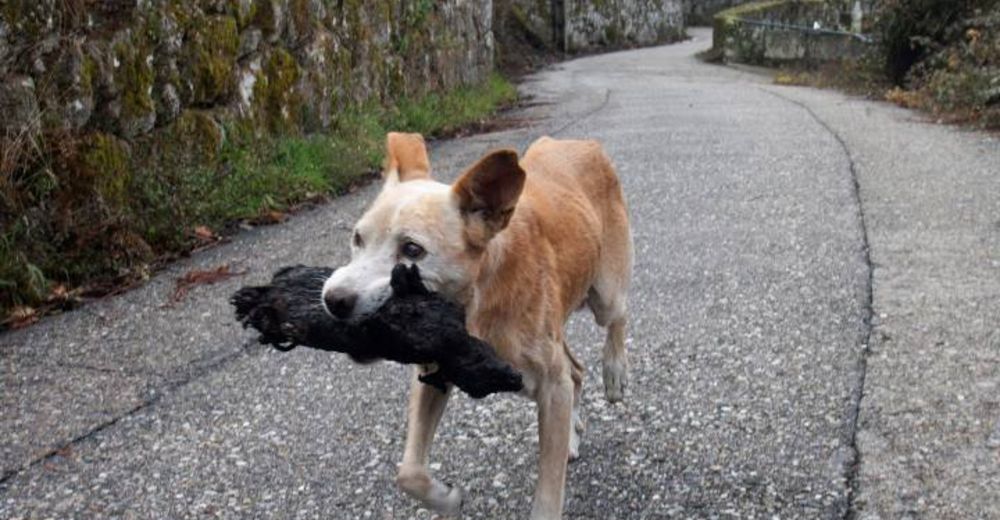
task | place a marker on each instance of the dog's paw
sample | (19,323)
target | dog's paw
(574,445)
(450,504)
(615,380)
(434,494)
(575,435)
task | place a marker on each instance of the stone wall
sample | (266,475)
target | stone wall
(586,25)
(128,68)
(531,20)
(762,33)
(700,12)
(622,23)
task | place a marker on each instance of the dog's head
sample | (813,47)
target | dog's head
(445,229)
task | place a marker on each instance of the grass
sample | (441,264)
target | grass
(291,169)
(440,115)
(253,175)
(860,77)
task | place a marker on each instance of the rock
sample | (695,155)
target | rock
(4,47)
(247,83)
(102,170)
(243,10)
(170,36)
(74,82)
(18,105)
(249,42)
(303,17)
(166,95)
(134,77)
(319,71)
(271,18)
(277,102)
(40,54)
(168,103)
(209,60)
(194,139)
(214,6)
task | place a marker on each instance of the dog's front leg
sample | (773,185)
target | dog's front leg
(426,407)
(555,409)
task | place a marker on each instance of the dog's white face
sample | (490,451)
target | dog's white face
(415,220)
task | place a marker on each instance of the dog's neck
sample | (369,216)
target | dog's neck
(507,289)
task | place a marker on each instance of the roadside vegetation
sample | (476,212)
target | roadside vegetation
(78,221)
(941,56)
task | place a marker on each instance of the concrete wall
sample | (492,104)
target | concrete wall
(737,39)
(128,68)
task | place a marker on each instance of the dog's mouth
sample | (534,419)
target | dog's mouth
(353,320)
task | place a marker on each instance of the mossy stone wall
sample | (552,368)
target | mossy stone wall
(131,67)
(593,24)
(700,12)
(756,44)
(587,25)
(118,118)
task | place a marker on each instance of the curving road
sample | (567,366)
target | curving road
(815,310)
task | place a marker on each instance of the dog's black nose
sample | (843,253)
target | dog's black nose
(340,303)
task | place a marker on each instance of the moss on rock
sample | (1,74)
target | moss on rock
(151,139)
(195,138)
(134,80)
(278,104)
(209,52)
(103,169)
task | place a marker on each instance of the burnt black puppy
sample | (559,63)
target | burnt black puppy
(414,326)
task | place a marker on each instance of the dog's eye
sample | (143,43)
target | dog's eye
(412,250)
(358,242)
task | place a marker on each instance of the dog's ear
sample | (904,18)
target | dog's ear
(487,193)
(405,158)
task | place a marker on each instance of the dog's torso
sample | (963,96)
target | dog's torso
(542,266)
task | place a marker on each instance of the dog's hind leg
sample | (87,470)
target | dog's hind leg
(615,362)
(576,374)
(427,405)
(607,300)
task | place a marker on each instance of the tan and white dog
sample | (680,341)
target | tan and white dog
(520,245)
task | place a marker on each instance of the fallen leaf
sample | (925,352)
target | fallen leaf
(204,233)
(21,316)
(271,217)
(58,293)
(197,277)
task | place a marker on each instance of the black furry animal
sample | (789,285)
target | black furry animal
(414,326)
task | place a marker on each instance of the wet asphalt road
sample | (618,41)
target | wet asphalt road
(816,277)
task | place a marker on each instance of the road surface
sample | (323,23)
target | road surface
(814,334)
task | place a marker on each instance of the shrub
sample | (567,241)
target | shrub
(946,54)
(911,30)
